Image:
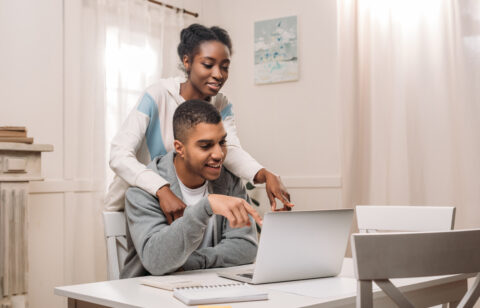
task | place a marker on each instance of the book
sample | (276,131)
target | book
(12,133)
(222,293)
(13,128)
(17,139)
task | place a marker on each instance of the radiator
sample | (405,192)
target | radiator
(20,164)
(13,241)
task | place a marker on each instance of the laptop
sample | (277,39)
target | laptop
(298,245)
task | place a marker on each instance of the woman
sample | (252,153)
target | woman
(147,132)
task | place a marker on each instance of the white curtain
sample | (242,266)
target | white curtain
(140,47)
(113,50)
(410,94)
(125,45)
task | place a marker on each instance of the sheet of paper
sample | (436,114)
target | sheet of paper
(324,288)
(206,278)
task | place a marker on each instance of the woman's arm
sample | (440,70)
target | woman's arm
(123,152)
(243,165)
(238,160)
(124,162)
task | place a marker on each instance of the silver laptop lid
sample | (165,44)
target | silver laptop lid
(302,245)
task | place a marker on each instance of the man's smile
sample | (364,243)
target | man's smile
(214,165)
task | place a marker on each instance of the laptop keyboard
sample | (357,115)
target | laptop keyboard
(247,275)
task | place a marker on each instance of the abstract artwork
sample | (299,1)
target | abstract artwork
(276,50)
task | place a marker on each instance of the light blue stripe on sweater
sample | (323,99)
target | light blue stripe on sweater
(154,134)
(227,111)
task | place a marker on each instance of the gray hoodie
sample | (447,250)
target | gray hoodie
(156,248)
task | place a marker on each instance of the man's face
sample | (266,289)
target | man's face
(204,151)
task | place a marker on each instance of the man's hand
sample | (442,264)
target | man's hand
(275,189)
(170,204)
(236,210)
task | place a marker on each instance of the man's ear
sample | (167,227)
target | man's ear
(186,63)
(179,148)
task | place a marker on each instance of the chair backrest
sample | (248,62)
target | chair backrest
(116,238)
(378,257)
(371,218)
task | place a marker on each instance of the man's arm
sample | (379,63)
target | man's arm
(163,248)
(238,245)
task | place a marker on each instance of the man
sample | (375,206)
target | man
(199,239)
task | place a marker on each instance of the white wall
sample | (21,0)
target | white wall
(31,81)
(31,72)
(293,127)
(37,90)
(65,234)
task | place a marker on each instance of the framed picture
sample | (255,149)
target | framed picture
(276,50)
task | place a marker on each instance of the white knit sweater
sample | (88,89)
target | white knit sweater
(148,132)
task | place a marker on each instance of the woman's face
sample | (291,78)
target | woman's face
(208,71)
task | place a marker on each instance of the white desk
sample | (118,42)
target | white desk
(327,292)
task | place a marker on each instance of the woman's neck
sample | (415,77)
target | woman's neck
(188,92)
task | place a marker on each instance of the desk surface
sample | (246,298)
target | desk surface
(325,292)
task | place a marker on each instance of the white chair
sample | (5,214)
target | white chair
(373,218)
(380,256)
(116,238)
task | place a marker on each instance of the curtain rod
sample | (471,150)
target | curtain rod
(184,11)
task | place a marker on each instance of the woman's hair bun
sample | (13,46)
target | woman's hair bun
(192,36)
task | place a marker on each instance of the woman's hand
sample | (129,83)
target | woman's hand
(170,204)
(275,189)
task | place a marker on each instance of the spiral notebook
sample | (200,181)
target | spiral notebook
(222,293)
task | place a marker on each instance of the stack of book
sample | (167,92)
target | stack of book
(14,134)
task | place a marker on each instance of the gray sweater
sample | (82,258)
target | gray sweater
(156,248)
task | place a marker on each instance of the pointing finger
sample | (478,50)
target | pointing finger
(253,213)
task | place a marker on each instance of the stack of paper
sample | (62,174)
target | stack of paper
(219,294)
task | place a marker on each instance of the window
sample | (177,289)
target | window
(129,68)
